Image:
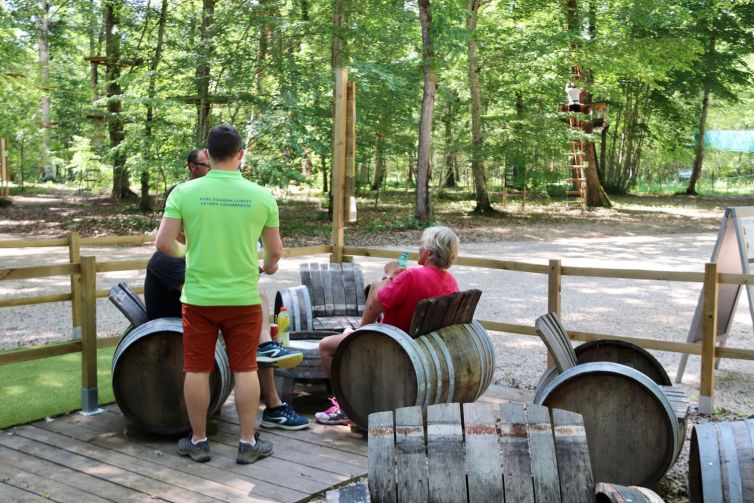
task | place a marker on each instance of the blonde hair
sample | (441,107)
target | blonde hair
(444,245)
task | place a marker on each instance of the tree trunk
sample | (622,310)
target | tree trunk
(338,60)
(95,45)
(145,203)
(42,22)
(450,179)
(477,139)
(379,161)
(423,210)
(206,49)
(121,187)
(696,171)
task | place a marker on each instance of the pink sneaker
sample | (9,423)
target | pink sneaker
(333,415)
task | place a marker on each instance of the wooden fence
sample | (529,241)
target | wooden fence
(83,295)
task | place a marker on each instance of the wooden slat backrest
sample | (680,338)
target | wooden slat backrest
(410,455)
(483,463)
(572,452)
(514,449)
(552,333)
(128,303)
(544,466)
(531,454)
(445,454)
(438,312)
(382,456)
(335,289)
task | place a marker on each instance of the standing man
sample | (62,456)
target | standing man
(223,216)
(162,295)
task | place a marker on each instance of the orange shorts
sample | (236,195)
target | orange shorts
(241,327)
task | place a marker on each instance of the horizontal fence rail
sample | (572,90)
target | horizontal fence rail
(708,348)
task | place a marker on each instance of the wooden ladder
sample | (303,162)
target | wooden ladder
(576,191)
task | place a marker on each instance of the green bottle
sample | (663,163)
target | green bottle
(403,260)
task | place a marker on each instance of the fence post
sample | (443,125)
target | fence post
(74,255)
(709,339)
(553,295)
(553,288)
(89,393)
(339,164)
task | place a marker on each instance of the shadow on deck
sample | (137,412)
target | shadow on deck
(77,458)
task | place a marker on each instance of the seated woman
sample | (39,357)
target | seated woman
(395,297)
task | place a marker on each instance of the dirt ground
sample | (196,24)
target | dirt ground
(640,233)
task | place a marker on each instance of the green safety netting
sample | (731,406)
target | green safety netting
(730,140)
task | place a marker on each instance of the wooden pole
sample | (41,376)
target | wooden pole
(350,184)
(709,339)
(338,163)
(74,256)
(553,287)
(554,276)
(89,393)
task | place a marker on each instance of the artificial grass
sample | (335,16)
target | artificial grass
(36,389)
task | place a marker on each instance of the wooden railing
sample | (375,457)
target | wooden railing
(83,270)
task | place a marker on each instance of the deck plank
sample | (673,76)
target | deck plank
(166,483)
(161,458)
(143,486)
(270,470)
(45,487)
(12,493)
(61,475)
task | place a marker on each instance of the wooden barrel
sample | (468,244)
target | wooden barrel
(721,462)
(451,454)
(614,493)
(615,351)
(632,429)
(299,305)
(380,367)
(147,373)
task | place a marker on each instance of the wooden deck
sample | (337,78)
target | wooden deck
(76,458)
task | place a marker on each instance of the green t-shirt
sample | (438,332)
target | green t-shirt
(223,215)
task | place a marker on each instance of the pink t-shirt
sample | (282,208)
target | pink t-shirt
(400,296)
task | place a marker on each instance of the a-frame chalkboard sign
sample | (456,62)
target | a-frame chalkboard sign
(734,254)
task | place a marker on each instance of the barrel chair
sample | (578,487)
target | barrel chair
(635,420)
(330,299)
(476,452)
(128,303)
(445,357)
(147,369)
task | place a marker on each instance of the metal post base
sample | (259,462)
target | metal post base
(89,402)
(705,405)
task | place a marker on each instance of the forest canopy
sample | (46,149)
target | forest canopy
(116,92)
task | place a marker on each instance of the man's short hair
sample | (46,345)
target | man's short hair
(193,156)
(224,141)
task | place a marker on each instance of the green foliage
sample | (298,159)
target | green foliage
(270,76)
